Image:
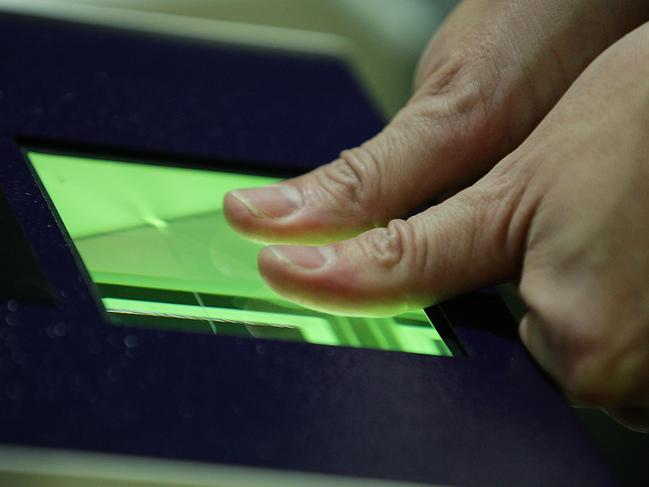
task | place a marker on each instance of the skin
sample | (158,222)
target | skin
(529,122)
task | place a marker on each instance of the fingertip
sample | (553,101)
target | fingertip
(260,212)
(326,279)
(236,213)
(299,273)
(270,265)
(282,264)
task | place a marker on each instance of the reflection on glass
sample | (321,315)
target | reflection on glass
(155,242)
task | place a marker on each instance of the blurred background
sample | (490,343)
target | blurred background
(380,40)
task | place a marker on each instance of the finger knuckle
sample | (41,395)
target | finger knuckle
(511,206)
(487,209)
(389,246)
(348,181)
(463,88)
(469,92)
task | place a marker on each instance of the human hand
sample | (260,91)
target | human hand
(565,212)
(582,180)
(491,73)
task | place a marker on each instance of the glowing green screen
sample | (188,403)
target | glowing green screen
(156,244)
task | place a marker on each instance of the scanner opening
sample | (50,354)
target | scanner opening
(155,242)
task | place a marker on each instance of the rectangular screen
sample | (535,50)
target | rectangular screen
(156,244)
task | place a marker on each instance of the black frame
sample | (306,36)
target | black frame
(68,380)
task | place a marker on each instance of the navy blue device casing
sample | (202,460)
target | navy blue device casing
(67,379)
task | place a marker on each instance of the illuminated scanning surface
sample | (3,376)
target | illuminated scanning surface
(155,242)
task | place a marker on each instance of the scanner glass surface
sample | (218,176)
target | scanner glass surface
(156,244)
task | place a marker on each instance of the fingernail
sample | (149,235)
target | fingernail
(276,201)
(310,258)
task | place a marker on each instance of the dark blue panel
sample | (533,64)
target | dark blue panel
(68,379)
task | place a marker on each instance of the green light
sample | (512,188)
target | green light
(156,243)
